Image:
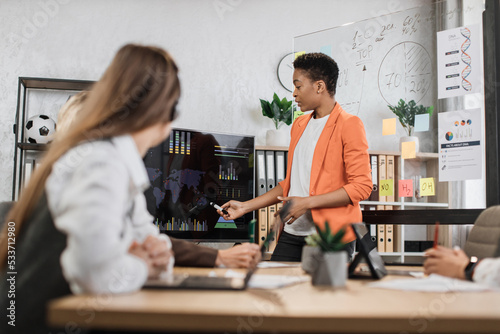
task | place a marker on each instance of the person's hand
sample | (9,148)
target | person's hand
(299,206)
(154,252)
(240,256)
(446,262)
(234,209)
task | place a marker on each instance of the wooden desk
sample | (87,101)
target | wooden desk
(300,308)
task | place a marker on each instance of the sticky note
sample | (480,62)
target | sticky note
(421,123)
(300,53)
(405,188)
(408,150)
(388,126)
(386,187)
(327,50)
(427,186)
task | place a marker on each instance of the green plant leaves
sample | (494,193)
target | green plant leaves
(406,113)
(329,242)
(280,111)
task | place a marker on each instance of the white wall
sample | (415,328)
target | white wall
(227,50)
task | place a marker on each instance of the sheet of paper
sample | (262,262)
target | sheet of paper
(274,264)
(460,145)
(388,126)
(408,150)
(459,61)
(421,123)
(300,53)
(405,188)
(432,283)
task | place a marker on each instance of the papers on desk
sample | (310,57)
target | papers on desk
(433,283)
(270,281)
(274,264)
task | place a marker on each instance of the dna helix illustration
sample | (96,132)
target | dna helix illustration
(466,59)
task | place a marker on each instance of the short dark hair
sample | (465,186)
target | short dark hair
(319,66)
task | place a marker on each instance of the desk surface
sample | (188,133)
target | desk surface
(299,308)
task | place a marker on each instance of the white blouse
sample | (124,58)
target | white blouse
(488,272)
(95,196)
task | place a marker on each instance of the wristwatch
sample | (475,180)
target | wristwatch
(469,270)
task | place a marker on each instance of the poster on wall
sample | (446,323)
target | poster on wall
(460,145)
(459,63)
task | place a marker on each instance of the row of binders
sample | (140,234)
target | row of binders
(270,170)
(383,168)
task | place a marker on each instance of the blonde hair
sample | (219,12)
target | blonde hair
(140,88)
(69,111)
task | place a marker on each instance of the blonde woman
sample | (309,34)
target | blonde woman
(81,225)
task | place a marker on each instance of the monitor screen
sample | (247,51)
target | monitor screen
(191,169)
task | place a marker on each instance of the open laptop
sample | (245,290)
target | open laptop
(187,281)
(367,250)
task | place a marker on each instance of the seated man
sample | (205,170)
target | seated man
(455,263)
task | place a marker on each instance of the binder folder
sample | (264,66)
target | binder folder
(279,159)
(381,238)
(374,166)
(389,238)
(262,225)
(261,173)
(271,181)
(270,221)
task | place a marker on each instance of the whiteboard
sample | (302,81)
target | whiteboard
(381,60)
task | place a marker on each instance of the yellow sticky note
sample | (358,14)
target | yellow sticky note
(386,187)
(388,126)
(408,150)
(300,53)
(427,186)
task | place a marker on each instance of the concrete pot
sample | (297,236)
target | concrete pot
(331,270)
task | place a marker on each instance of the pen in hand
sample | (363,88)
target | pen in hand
(436,235)
(219,208)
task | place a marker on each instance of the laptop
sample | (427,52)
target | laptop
(187,281)
(367,250)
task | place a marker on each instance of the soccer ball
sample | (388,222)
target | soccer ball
(39,129)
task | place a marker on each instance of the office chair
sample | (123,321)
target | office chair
(484,237)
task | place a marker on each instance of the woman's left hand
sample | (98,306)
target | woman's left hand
(299,206)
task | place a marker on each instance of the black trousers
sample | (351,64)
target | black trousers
(289,248)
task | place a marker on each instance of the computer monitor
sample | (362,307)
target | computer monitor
(191,169)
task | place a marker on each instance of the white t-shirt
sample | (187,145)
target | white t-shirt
(300,176)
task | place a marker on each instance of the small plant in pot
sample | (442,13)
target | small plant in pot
(331,269)
(406,114)
(311,253)
(281,112)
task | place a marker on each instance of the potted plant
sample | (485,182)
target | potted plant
(281,112)
(311,253)
(406,114)
(331,268)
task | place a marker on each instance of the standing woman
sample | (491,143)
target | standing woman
(328,170)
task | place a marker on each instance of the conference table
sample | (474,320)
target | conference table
(297,308)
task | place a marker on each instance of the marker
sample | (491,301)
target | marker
(436,235)
(219,208)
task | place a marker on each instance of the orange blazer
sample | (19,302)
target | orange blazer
(340,160)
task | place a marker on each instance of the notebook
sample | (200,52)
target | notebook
(187,281)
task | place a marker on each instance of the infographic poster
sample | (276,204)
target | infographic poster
(460,145)
(459,61)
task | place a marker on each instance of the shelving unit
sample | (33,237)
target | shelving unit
(27,153)
(425,165)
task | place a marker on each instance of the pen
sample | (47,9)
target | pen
(436,235)
(219,208)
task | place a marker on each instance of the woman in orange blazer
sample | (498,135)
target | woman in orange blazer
(328,170)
